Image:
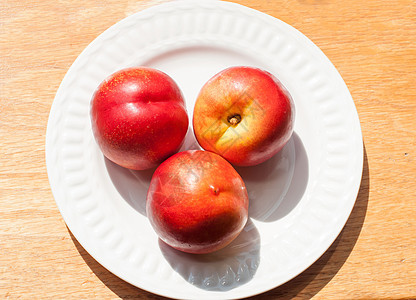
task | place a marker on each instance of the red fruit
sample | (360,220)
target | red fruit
(138,117)
(244,114)
(197,202)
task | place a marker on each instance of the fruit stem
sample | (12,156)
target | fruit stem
(234,119)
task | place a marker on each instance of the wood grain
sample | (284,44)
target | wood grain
(372,44)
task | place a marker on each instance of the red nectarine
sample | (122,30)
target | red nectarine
(197,202)
(138,117)
(244,114)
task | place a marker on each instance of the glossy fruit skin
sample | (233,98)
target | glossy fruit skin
(138,117)
(265,109)
(197,202)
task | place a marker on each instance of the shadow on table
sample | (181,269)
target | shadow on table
(322,271)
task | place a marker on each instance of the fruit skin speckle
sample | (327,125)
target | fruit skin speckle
(138,117)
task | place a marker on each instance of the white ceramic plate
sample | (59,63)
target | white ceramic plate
(299,200)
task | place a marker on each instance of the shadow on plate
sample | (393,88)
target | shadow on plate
(222,270)
(132,185)
(318,275)
(276,186)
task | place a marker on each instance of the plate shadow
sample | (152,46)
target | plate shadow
(132,185)
(319,274)
(222,270)
(276,186)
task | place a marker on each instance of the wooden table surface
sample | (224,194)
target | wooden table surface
(372,44)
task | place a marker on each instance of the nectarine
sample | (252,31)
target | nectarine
(243,114)
(138,117)
(197,202)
